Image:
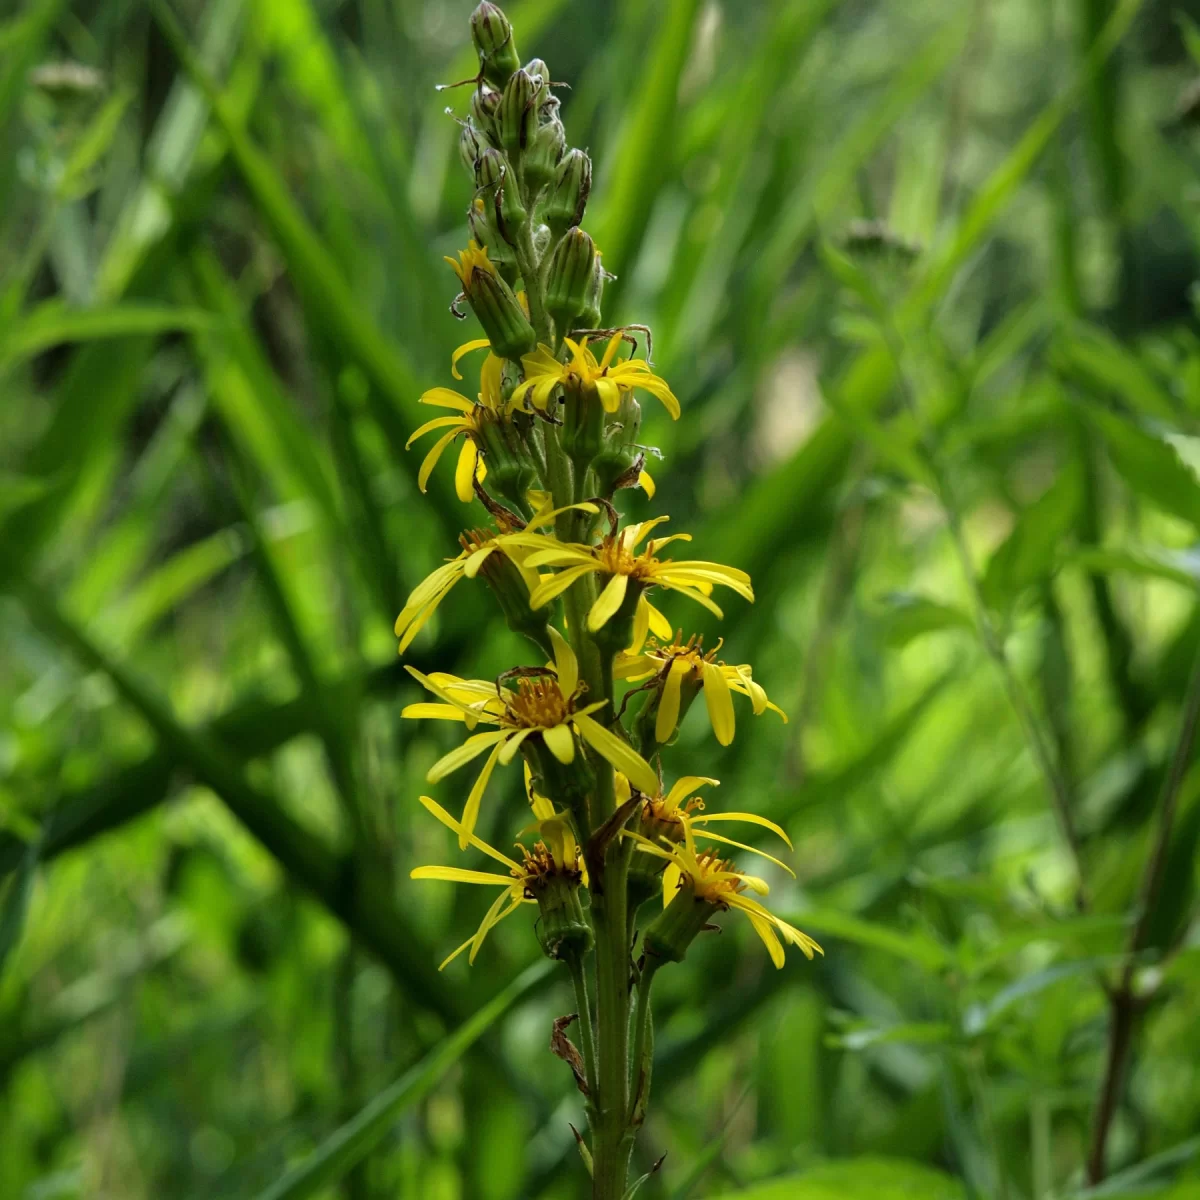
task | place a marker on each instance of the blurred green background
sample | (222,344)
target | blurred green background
(922,276)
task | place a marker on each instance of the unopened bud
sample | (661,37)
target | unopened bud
(563,929)
(481,223)
(470,145)
(493,37)
(543,153)
(670,934)
(511,216)
(516,120)
(570,277)
(538,69)
(569,192)
(489,169)
(621,451)
(493,302)
(485,104)
(589,318)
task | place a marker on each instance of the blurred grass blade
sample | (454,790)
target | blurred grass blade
(52,323)
(326,293)
(367,909)
(1150,466)
(15,905)
(916,948)
(643,144)
(359,1136)
(1002,184)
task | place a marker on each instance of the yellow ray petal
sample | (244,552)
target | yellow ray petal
(685,786)
(475,798)
(465,348)
(607,603)
(619,753)
(436,810)
(668,703)
(561,742)
(750,818)
(717,837)
(441,397)
(472,748)
(464,472)
(436,423)
(459,875)
(719,702)
(432,457)
(566,665)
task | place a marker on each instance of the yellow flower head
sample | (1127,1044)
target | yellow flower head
(542,705)
(473,258)
(669,816)
(606,379)
(557,855)
(618,557)
(679,662)
(714,881)
(478,545)
(468,423)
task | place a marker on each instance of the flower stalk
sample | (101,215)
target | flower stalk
(544,447)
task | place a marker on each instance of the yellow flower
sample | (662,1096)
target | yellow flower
(714,881)
(473,258)
(542,706)
(471,416)
(477,546)
(667,816)
(616,556)
(681,662)
(557,854)
(605,379)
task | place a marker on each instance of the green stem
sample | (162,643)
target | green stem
(641,1062)
(612,1137)
(527,263)
(583,1005)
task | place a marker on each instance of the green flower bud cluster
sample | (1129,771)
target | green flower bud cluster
(531,187)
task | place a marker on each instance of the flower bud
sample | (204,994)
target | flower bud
(493,37)
(516,119)
(510,474)
(485,104)
(489,169)
(569,192)
(589,318)
(538,69)
(481,222)
(471,145)
(493,302)
(570,278)
(501,575)
(511,216)
(543,153)
(502,317)
(620,450)
(669,935)
(563,928)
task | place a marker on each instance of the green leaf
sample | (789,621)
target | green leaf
(360,1135)
(52,323)
(906,617)
(628,194)
(1150,466)
(16,903)
(914,1033)
(865,1178)
(1030,552)
(1136,1180)
(93,144)
(16,491)
(1103,363)
(1152,562)
(918,948)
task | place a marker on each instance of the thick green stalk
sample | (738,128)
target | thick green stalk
(640,1062)
(612,1138)
(587,1035)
